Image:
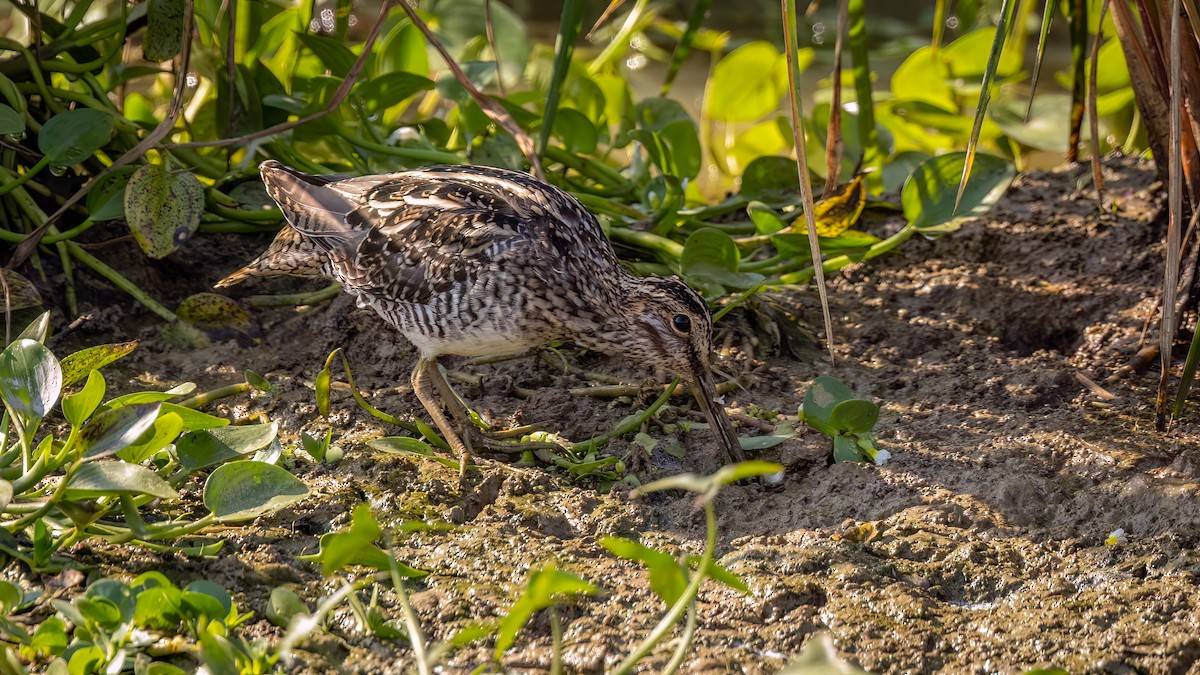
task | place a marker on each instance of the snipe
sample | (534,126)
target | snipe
(480,261)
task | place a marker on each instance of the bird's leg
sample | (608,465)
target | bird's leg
(472,434)
(420,385)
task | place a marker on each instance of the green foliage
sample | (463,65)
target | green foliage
(830,408)
(115,624)
(117,458)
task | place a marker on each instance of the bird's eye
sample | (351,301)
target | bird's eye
(682,323)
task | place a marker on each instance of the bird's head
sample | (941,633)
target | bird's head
(669,328)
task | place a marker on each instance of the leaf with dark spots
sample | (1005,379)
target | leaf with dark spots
(158,205)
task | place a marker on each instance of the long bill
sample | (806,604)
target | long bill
(706,395)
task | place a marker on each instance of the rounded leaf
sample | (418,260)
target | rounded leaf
(748,83)
(11,121)
(96,479)
(928,194)
(114,429)
(210,310)
(209,447)
(70,137)
(163,210)
(30,381)
(248,489)
(79,406)
(855,415)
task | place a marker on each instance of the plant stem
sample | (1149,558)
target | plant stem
(294,299)
(838,262)
(204,398)
(119,281)
(685,600)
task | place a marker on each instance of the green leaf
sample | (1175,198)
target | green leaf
(576,131)
(748,83)
(113,430)
(209,447)
(245,490)
(321,388)
(159,608)
(11,597)
(401,445)
(163,209)
(335,55)
(210,310)
(167,427)
(766,221)
(217,653)
(194,420)
(79,406)
(667,578)
(1044,125)
(77,366)
(50,636)
(823,395)
(22,294)
(384,91)
(674,148)
(98,479)
(345,546)
(70,137)
(164,30)
(85,660)
(30,381)
(283,606)
(258,382)
(845,449)
(770,178)
(211,599)
(928,194)
(11,121)
(857,415)
(37,330)
(711,257)
(923,76)
(540,589)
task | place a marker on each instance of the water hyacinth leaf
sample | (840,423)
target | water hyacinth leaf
(401,445)
(114,429)
(210,310)
(97,479)
(342,547)
(823,395)
(79,406)
(667,578)
(22,294)
(202,594)
(766,221)
(30,381)
(258,382)
(11,121)
(845,449)
(70,137)
(244,490)
(748,83)
(106,201)
(77,366)
(540,591)
(194,420)
(710,257)
(769,178)
(283,606)
(1044,124)
(928,195)
(674,149)
(321,386)
(163,209)
(855,415)
(166,428)
(164,30)
(201,449)
(576,131)
(334,55)
(38,329)
(384,91)
(158,607)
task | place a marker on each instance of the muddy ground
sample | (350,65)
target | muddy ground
(979,547)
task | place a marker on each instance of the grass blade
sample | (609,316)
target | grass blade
(985,92)
(1094,116)
(873,154)
(1166,333)
(685,43)
(833,135)
(1043,38)
(564,47)
(790,41)
(939,24)
(1078,20)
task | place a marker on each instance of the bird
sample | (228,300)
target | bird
(475,261)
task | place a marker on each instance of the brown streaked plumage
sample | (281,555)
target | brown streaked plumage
(480,261)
